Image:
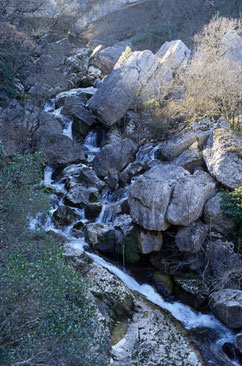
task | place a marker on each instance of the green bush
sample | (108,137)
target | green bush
(46,314)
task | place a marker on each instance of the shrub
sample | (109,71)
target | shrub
(212,80)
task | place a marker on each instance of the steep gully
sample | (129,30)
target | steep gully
(206,330)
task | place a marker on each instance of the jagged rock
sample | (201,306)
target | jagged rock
(191,290)
(238,341)
(149,242)
(190,195)
(222,155)
(102,237)
(64,216)
(116,155)
(69,98)
(227,305)
(150,196)
(204,128)
(190,158)
(163,282)
(191,238)
(214,216)
(141,76)
(59,149)
(79,195)
(106,58)
(84,175)
(123,223)
(92,210)
(176,145)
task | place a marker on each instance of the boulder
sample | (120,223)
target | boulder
(227,304)
(69,98)
(189,197)
(64,216)
(116,155)
(191,238)
(59,149)
(102,237)
(141,77)
(204,128)
(150,196)
(176,145)
(190,159)
(76,65)
(84,175)
(231,46)
(106,58)
(163,283)
(238,341)
(123,223)
(149,242)
(79,195)
(92,210)
(191,290)
(222,155)
(214,216)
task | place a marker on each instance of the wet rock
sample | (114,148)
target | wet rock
(69,98)
(222,155)
(189,196)
(190,159)
(59,149)
(82,174)
(150,196)
(151,336)
(227,305)
(79,196)
(238,341)
(176,145)
(214,216)
(116,155)
(106,58)
(64,216)
(132,170)
(102,237)
(191,238)
(191,290)
(150,242)
(123,223)
(113,178)
(92,210)
(163,282)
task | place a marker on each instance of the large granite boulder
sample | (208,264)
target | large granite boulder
(214,216)
(150,196)
(190,195)
(115,155)
(106,58)
(191,238)
(222,155)
(176,145)
(227,305)
(141,77)
(191,158)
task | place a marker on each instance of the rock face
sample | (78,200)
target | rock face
(115,155)
(191,238)
(152,340)
(214,216)
(142,76)
(222,155)
(189,197)
(150,196)
(227,305)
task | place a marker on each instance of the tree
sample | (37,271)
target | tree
(212,80)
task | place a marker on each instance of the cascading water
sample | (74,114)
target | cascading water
(196,322)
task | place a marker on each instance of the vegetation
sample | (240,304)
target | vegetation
(46,316)
(212,81)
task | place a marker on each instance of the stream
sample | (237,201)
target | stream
(206,330)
